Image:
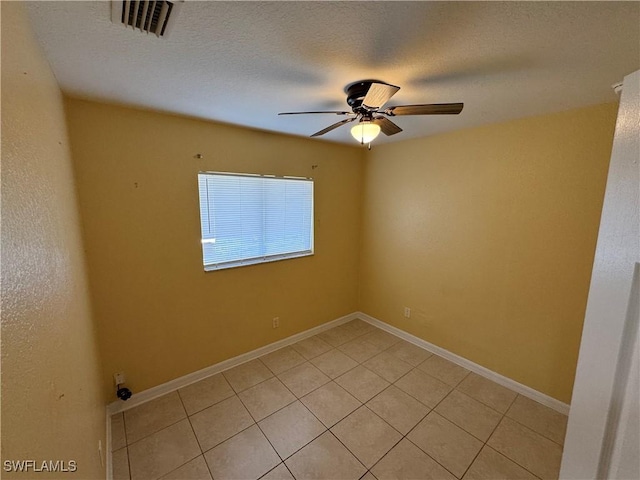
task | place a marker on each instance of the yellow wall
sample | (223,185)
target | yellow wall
(160,315)
(488,235)
(52,402)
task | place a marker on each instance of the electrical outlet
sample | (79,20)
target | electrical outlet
(118,378)
(276,322)
(407,312)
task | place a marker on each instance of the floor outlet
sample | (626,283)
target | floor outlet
(407,312)
(276,322)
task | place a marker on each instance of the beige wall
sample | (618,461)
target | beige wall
(160,315)
(489,235)
(52,402)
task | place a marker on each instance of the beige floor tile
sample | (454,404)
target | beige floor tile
(359,326)
(291,428)
(325,458)
(448,444)
(311,347)
(153,416)
(408,352)
(282,360)
(444,370)
(163,451)
(118,437)
(387,366)
(265,398)
(349,332)
(490,393)
(423,387)
(381,339)
(335,336)
(120,464)
(330,403)
(217,423)
(368,476)
(362,383)
(407,462)
(334,363)
(473,416)
(534,452)
(281,472)
(205,393)
(366,435)
(490,465)
(303,379)
(247,375)
(541,419)
(398,409)
(248,455)
(196,469)
(360,350)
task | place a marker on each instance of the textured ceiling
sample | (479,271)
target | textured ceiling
(243,62)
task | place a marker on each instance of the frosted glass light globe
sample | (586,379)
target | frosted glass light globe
(365,132)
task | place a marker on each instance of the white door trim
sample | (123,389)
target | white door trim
(599,388)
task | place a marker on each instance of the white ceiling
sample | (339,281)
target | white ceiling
(243,62)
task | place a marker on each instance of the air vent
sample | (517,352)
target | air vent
(146,16)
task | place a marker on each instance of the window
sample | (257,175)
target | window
(249,219)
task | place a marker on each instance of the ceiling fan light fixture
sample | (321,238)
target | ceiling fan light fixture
(365,132)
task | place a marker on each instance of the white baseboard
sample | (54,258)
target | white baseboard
(528,392)
(175,384)
(107,453)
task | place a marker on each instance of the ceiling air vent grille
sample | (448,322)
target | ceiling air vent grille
(146,16)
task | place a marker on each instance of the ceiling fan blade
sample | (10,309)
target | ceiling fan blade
(387,126)
(429,109)
(327,111)
(332,127)
(379,94)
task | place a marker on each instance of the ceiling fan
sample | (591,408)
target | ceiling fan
(366,99)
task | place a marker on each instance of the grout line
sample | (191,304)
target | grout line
(251,386)
(527,426)
(226,439)
(347,448)
(289,470)
(183,464)
(479,370)
(383,420)
(296,451)
(157,431)
(524,426)
(192,429)
(513,461)
(362,404)
(126,444)
(272,445)
(432,410)
(128,462)
(269,471)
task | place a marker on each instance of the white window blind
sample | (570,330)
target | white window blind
(249,219)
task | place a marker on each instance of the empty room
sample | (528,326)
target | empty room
(320,240)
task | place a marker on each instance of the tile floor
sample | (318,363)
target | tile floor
(353,402)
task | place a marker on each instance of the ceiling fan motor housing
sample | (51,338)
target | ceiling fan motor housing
(356,93)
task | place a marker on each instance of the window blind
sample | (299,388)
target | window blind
(247,219)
